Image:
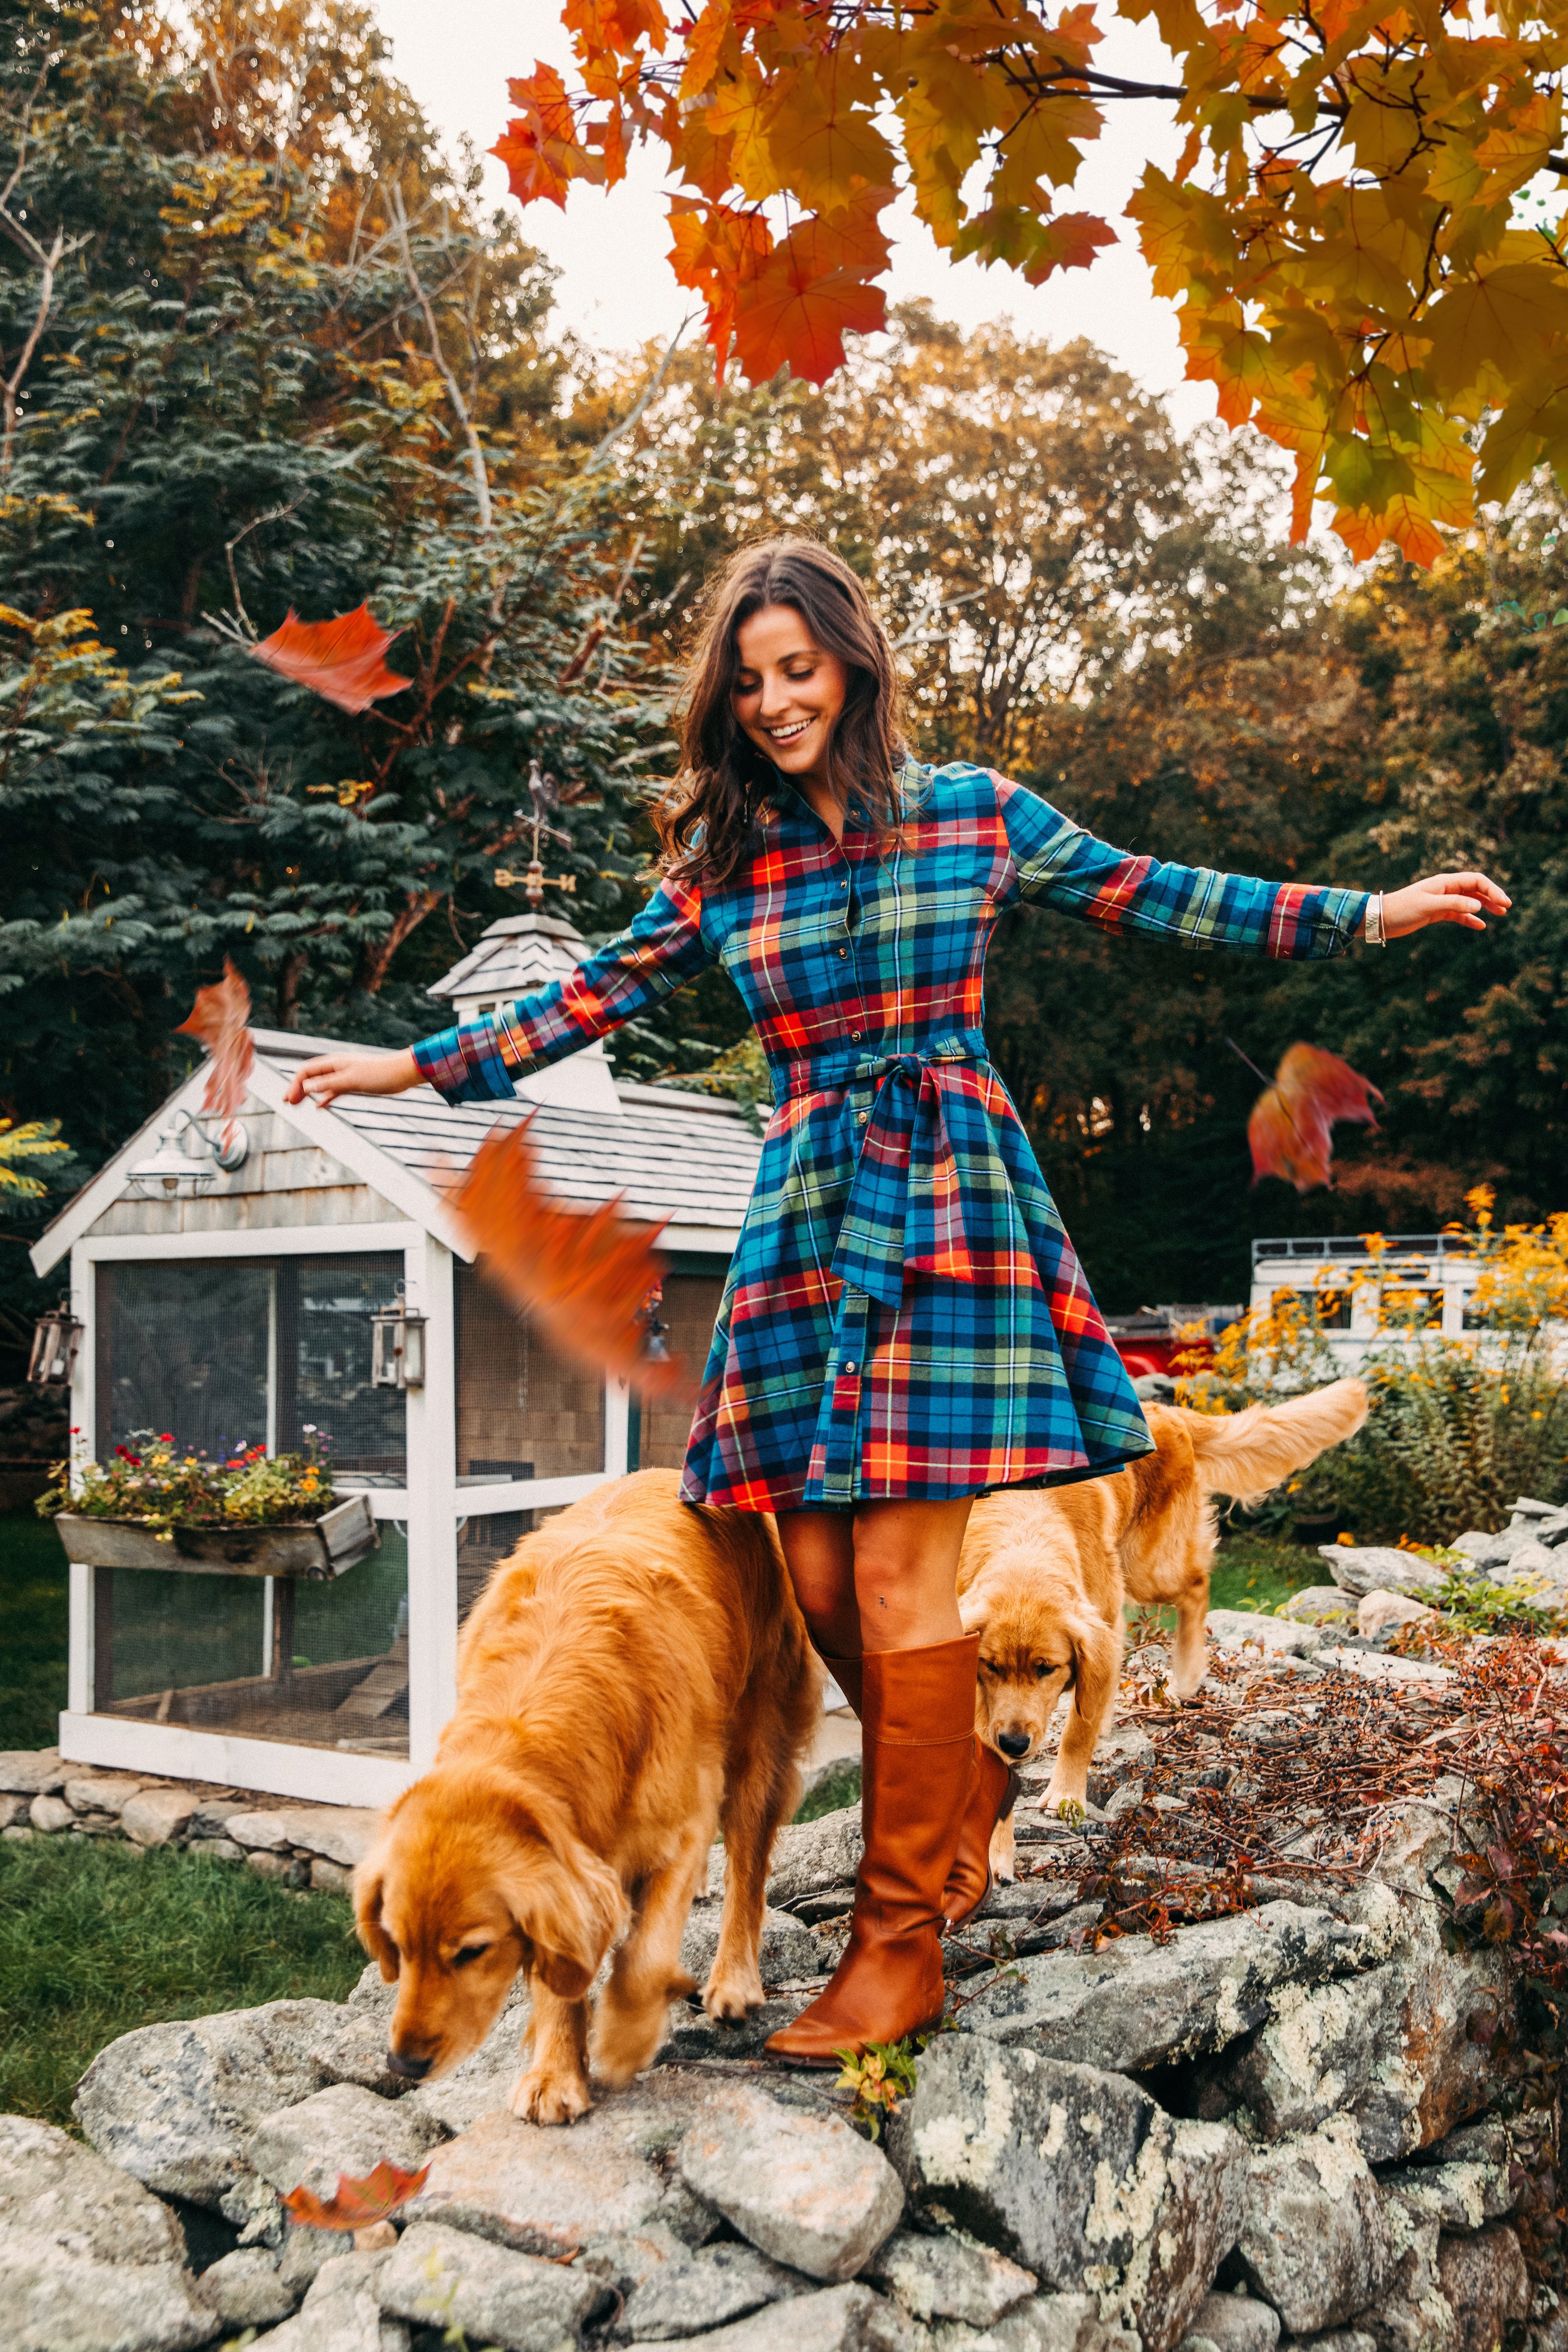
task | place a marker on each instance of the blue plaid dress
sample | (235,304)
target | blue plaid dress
(905,1316)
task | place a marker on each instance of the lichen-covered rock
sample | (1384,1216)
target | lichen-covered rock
(947,2274)
(704,2287)
(1458,2196)
(1410,2312)
(342,2312)
(545,2191)
(1314,2241)
(447,2278)
(809,1856)
(804,2187)
(342,2130)
(175,2105)
(836,2319)
(247,2288)
(1312,2058)
(1233,2323)
(1485,2284)
(1078,2174)
(1124,1754)
(1138,2004)
(89,2261)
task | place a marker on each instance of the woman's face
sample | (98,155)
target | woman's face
(788,692)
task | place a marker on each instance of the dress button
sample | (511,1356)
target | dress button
(843,950)
(849,1367)
(854,1036)
(861,1117)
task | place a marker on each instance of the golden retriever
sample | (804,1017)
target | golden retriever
(636,1677)
(1043,1573)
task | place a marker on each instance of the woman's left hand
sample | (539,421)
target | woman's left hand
(1462,899)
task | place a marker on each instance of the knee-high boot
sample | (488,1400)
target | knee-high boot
(916,1773)
(992,1792)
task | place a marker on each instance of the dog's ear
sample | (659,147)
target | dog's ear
(1097,1663)
(370,1882)
(569,1906)
(972,1613)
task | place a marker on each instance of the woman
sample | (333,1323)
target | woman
(905,1326)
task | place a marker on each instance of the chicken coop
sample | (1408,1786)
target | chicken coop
(242,1296)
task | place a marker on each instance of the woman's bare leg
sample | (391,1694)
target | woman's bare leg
(882,1578)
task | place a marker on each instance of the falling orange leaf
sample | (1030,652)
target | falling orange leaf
(1291,1130)
(218,1021)
(583,1275)
(341,660)
(357,2203)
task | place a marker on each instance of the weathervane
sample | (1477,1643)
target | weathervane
(545,795)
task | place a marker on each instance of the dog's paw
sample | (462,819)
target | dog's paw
(1004,1860)
(539,2098)
(732,1996)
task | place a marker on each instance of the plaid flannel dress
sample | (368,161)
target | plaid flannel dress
(905,1316)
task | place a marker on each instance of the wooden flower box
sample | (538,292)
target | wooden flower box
(317,1550)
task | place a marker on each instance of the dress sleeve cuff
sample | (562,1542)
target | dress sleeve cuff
(465,1065)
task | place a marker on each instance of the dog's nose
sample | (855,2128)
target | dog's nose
(412,2069)
(1013,1743)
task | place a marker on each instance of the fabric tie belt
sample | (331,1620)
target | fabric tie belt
(904,1213)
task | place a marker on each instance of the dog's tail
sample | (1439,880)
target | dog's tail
(1244,1454)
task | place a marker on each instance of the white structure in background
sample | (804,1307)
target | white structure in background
(239,1308)
(1439,1268)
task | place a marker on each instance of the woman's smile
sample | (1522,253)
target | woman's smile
(788,692)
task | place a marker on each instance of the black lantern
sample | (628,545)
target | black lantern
(56,1339)
(398,1346)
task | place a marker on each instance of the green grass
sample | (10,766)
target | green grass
(1256,1572)
(94,1941)
(33,1588)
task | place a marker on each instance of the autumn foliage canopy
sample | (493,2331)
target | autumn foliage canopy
(1345,234)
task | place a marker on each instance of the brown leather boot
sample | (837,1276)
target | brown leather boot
(918,1766)
(992,1792)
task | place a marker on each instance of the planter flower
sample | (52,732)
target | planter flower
(153,1506)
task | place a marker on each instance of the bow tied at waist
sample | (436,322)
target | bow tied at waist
(905,1213)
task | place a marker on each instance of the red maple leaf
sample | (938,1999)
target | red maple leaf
(218,1021)
(796,306)
(357,2203)
(341,660)
(1291,1130)
(583,1275)
(540,146)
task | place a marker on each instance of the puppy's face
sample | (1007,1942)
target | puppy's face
(1030,1639)
(453,1905)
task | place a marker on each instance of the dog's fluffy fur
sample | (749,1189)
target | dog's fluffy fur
(635,1677)
(1045,1573)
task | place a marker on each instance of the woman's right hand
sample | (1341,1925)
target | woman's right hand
(331,1074)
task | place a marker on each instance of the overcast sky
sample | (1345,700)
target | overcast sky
(617,290)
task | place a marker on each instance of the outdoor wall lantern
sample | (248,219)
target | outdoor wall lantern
(56,1339)
(653,1349)
(175,1171)
(398,1346)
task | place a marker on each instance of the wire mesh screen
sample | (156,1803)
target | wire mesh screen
(187,1349)
(523,1411)
(483,1543)
(690,1308)
(227,1352)
(324,1666)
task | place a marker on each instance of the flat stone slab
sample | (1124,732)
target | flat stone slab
(1137,2004)
(1235,1629)
(543,2189)
(447,2278)
(805,2187)
(838,2319)
(341,2312)
(1380,1568)
(342,2130)
(32,1771)
(947,2274)
(1376,1666)
(176,2105)
(706,2287)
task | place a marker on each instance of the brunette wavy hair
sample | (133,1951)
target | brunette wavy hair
(709,826)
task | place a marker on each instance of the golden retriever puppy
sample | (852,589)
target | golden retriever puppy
(635,1678)
(1045,1573)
